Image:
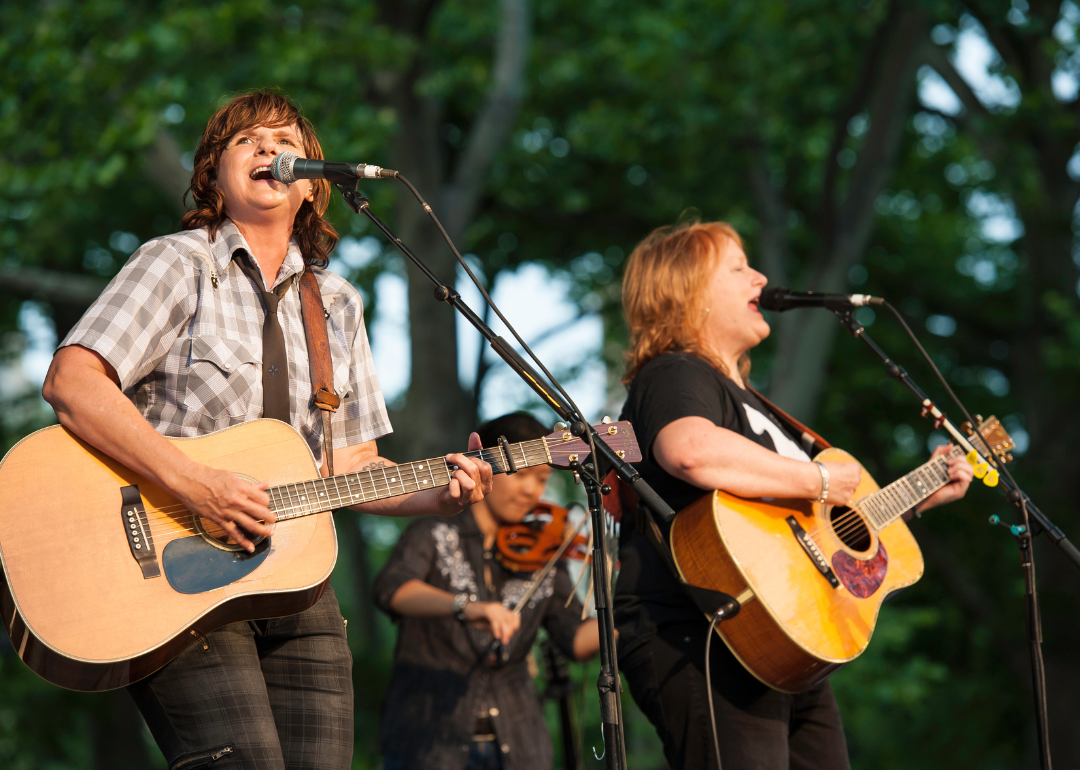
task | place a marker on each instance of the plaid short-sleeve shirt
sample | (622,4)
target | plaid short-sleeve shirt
(182,326)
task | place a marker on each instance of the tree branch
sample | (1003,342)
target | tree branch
(804,348)
(775,245)
(489,131)
(51,286)
(164,169)
(855,102)
(938,59)
(889,108)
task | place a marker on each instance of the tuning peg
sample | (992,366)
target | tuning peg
(606,420)
(978,419)
(1008,458)
(966,427)
(560,426)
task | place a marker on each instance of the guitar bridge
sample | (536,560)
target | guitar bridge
(137,526)
(813,552)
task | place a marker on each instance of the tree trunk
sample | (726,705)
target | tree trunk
(439,412)
(806,340)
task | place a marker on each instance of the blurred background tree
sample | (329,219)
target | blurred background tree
(920,150)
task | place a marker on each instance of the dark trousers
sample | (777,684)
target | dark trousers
(483,755)
(759,728)
(266,695)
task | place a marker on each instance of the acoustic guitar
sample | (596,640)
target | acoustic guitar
(107,577)
(811,578)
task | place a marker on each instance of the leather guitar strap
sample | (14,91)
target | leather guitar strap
(812,442)
(322,371)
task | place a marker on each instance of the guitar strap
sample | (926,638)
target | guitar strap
(322,371)
(811,441)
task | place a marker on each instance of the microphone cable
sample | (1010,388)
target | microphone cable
(998,460)
(587,433)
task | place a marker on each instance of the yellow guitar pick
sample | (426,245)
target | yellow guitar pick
(991,478)
(981,469)
(973,457)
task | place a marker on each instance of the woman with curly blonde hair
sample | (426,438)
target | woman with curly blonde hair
(691,303)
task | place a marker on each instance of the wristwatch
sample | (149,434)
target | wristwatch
(460,600)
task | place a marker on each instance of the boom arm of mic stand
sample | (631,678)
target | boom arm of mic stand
(443,293)
(1014,495)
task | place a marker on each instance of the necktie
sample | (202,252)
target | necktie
(275,367)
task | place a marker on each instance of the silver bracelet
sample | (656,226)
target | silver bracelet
(824,482)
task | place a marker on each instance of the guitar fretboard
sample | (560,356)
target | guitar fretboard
(889,503)
(308,497)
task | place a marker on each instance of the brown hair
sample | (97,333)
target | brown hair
(314,235)
(663,293)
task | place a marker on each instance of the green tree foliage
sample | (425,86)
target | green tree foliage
(799,122)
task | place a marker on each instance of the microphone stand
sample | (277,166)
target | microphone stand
(592,470)
(1035,522)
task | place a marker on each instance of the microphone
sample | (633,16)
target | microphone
(782,298)
(287,168)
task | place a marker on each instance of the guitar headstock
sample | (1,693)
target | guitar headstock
(990,438)
(565,448)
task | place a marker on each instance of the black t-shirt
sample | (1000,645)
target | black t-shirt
(668,388)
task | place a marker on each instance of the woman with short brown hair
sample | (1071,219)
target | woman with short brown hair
(202,330)
(691,302)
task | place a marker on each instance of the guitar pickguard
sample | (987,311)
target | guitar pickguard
(193,566)
(862,576)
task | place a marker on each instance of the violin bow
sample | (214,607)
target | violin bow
(535,583)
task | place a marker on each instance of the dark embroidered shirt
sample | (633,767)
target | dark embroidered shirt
(439,685)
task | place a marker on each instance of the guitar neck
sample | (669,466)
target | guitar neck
(291,501)
(889,503)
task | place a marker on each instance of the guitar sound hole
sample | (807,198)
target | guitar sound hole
(850,528)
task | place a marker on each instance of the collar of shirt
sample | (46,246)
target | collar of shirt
(230,240)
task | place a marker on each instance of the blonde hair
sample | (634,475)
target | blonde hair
(663,293)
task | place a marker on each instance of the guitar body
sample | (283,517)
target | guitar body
(794,627)
(75,602)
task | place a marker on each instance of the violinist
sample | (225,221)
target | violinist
(453,594)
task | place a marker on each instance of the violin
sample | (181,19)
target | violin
(530,545)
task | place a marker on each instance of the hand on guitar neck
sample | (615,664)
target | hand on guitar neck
(960,474)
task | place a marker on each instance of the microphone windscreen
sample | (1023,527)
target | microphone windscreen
(282,168)
(774,299)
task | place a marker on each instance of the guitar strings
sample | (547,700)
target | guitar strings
(850,520)
(492,455)
(374,482)
(178,513)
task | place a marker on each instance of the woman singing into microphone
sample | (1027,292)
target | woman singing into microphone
(691,302)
